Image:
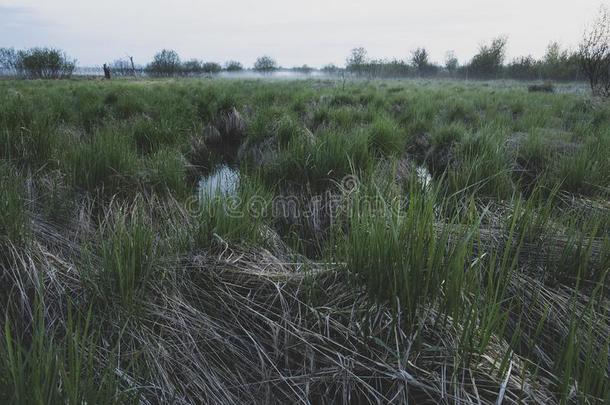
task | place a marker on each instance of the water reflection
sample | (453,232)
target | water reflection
(223,180)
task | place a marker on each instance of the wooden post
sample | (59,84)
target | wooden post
(133,68)
(106,71)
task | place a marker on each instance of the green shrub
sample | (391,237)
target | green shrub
(233,66)
(165,63)
(487,63)
(44,63)
(265,64)
(211,67)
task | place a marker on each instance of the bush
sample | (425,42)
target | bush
(211,67)
(558,64)
(44,63)
(233,66)
(356,60)
(165,63)
(265,64)
(192,66)
(451,62)
(305,69)
(488,62)
(541,88)
(330,68)
(524,68)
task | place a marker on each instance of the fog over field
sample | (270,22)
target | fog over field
(294,32)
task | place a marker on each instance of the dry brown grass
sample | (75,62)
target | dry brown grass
(236,325)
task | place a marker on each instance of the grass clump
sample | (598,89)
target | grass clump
(385,137)
(14,219)
(128,258)
(395,248)
(105,162)
(237,217)
(441,155)
(166,173)
(482,167)
(319,162)
(43,368)
(149,136)
(33,144)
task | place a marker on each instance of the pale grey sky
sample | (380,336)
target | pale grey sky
(315,32)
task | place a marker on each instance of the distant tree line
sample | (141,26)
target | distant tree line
(167,63)
(488,63)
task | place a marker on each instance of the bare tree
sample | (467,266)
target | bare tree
(419,57)
(356,60)
(451,62)
(594,53)
(121,67)
(420,60)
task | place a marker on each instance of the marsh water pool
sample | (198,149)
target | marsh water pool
(223,180)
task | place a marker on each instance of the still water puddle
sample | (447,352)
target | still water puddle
(423,177)
(222,181)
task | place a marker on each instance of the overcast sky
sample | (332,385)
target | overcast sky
(315,32)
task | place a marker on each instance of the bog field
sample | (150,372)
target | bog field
(318,241)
